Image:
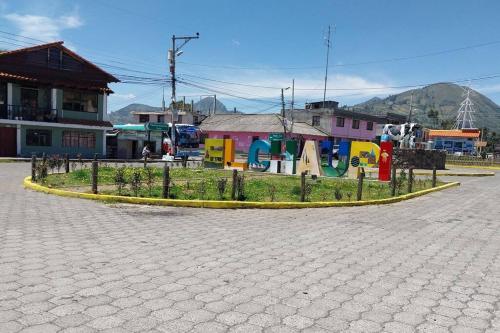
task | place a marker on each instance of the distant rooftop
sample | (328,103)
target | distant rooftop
(267,123)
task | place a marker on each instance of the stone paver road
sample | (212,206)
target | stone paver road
(431,264)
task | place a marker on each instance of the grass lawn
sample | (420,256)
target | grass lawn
(205,183)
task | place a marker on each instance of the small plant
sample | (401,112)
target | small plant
(221,187)
(150,179)
(337,193)
(202,189)
(401,180)
(349,195)
(52,163)
(42,170)
(241,188)
(136,181)
(59,163)
(80,160)
(73,165)
(272,192)
(119,179)
(307,191)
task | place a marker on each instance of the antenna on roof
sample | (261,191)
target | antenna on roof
(327,41)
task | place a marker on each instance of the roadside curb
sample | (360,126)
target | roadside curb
(227,204)
(473,167)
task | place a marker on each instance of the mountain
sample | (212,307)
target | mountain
(207,104)
(123,116)
(445,98)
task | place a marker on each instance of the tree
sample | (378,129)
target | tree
(434,115)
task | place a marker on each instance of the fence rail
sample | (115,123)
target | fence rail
(472,161)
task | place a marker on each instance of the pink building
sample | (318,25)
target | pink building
(348,125)
(246,128)
(342,124)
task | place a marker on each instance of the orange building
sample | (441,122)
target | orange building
(462,141)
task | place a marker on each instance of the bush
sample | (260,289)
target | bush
(42,170)
(119,179)
(202,189)
(150,179)
(337,193)
(221,187)
(241,188)
(272,192)
(136,181)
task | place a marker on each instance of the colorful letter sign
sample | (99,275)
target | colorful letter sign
(214,153)
(258,146)
(385,161)
(310,160)
(363,154)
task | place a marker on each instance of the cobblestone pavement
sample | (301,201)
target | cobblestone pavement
(431,264)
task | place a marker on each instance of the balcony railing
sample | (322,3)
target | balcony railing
(18,112)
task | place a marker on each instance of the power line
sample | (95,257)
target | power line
(387,60)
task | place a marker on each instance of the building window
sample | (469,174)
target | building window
(144,118)
(35,137)
(79,101)
(161,119)
(226,136)
(316,120)
(77,139)
(355,123)
(340,121)
(369,125)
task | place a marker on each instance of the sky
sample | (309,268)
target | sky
(249,50)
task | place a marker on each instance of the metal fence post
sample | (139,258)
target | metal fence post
(410,179)
(235,184)
(393,180)
(95,168)
(66,163)
(33,168)
(302,187)
(434,176)
(166,181)
(361,176)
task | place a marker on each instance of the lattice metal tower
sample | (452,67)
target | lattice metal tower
(465,117)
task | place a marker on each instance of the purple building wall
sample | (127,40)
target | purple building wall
(353,134)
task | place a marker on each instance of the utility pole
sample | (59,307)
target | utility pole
(411,107)
(163,104)
(283,115)
(326,68)
(172,54)
(215,104)
(291,105)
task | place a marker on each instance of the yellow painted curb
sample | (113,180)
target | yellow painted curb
(228,204)
(458,174)
(473,166)
(448,174)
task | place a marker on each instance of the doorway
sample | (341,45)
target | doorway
(8,139)
(3,100)
(134,149)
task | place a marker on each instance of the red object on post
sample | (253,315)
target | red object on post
(385,161)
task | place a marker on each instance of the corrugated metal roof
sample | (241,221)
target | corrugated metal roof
(454,133)
(267,123)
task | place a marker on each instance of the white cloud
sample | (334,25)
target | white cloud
(490,89)
(124,97)
(43,27)
(344,88)
(236,42)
